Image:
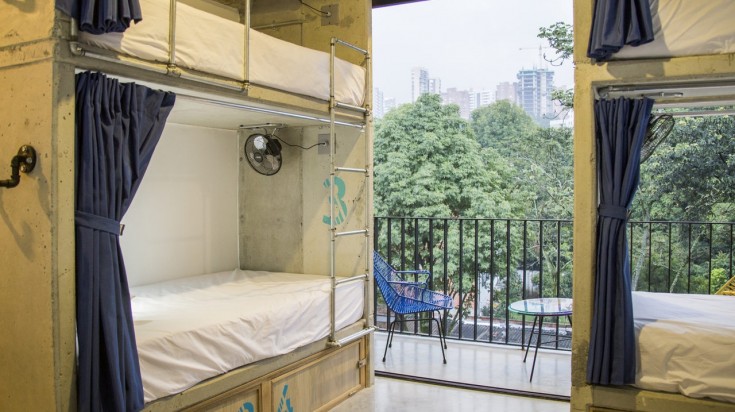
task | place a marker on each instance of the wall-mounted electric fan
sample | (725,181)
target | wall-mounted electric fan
(263,152)
(659,127)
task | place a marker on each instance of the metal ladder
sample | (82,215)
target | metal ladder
(334,170)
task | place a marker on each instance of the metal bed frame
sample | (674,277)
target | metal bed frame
(173,70)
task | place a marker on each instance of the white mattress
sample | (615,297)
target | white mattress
(686,344)
(687,28)
(195,328)
(214,45)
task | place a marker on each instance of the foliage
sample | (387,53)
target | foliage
(560,36)
(565,97)
(698,161)
(690,177)
(540,158)
(427,163)
(503,126)
(431,163)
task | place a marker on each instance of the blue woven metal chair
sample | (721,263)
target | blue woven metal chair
(405,297)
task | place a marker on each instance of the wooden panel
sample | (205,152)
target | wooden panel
(246,400)
(598,409)
(319,385)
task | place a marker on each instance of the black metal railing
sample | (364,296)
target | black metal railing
(486,264)
(681,257)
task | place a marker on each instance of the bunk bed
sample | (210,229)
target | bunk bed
(185,41)
(682,343)
(201,345)
(685,344)
(195,328)
(686,28)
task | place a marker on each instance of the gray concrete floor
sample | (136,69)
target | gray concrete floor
(492,366)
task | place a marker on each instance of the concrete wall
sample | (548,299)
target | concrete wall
(271,210)
(183,219)
(349,249)
(284,218)
(587,76)
(37,229)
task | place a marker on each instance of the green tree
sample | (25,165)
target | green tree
(560,36)
(690,177)
(541,170)
(427,163)
(503,126)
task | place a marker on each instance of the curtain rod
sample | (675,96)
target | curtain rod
(698,113)
(256,109)
(663,90)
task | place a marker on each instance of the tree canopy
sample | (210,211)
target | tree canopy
(428,163)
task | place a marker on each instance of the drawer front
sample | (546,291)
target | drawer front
(321,384)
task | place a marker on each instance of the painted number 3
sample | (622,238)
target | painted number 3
(340,209)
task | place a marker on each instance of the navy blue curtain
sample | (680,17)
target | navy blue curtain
(620,128)
(118,127)
(619,22)
(102,16)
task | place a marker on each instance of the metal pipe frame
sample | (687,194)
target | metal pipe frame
(333,169)
(246,45)
(172,37)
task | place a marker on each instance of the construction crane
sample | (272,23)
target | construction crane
(540,49)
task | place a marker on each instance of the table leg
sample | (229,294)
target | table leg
(538,343)
(530,337)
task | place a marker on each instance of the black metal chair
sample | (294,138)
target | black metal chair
(409,297)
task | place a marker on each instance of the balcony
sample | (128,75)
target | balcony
(486,264)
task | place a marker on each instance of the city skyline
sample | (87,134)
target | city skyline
(421,35)
(531,91)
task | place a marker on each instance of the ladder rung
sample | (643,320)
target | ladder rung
(351,107)
(350,169)
(350,45)
(351,232)
(352,279)
(350,338)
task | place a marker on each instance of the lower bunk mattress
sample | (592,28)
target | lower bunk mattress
(686,344)
(195,328)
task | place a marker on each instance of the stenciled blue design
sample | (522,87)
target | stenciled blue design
(285,404)
(247,407)
(341,207)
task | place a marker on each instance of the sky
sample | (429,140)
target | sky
(465,43)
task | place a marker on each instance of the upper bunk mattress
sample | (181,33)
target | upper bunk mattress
(687,28)
(195,328)
(686,344)
(212,44)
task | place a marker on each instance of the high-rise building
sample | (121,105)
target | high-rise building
(506,91)
(389,104)
(460,98)
(419,82)
(481,98)
(378,105)
(435,86)
(534,93)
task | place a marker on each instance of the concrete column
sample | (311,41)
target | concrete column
(37,231)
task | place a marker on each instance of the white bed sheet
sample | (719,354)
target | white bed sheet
(686,344)
(687,28)
(212,44)
(195,328)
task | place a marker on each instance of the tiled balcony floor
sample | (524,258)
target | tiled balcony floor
(493,367)
(389,395)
